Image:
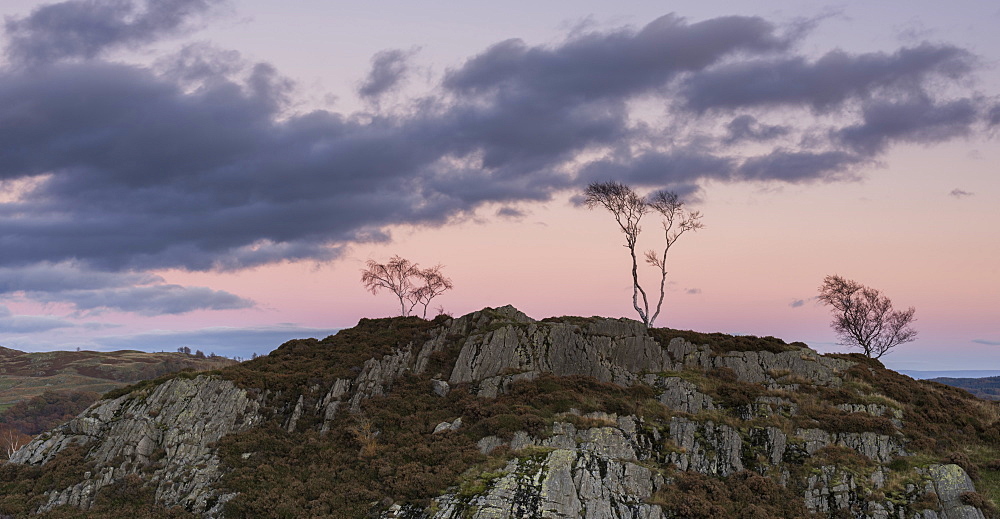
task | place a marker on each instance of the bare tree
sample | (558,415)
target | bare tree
(12,440)
(864,317)
(399,276)
(628,209)
(434,285)
(396,276)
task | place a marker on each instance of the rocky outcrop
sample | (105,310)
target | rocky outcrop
(745,420)
(589,473)
(605,472)
(167,433)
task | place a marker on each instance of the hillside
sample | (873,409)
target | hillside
(34,386)
(987,388)
(497,415)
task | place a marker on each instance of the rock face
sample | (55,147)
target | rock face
(590,473)
(717,413)
(167,432)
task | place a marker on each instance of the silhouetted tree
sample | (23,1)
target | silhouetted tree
(396,276)
(864,317)
(628,209)
(434,284)
(411,284)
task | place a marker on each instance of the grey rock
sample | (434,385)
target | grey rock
(181,418)
(489,444)
(706,447)
(293,420)
(448,426)
(950,482)
(593,474)
(440,387)
(679,394)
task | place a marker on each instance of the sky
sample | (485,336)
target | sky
(216,174)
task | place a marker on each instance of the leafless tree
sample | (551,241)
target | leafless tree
(628,209)
(396,276)
(864,317)
(434,284)
(12,440)
(401,277)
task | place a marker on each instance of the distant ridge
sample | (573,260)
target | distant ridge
(961,373)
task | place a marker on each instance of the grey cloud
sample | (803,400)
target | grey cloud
(510,212)
(147,300)
(960,193)
(46,277)
(10,323)
(199,62)
(225,341)
(993,117)
(797,303)
(798,166)
(85,29)
(150,173)
(389,69)
(693,291)
(613,64)
(915,120)
(89,290)
(679,170)
(826,83)
(747,128)
(986,342)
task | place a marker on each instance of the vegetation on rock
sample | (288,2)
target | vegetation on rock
(374,419)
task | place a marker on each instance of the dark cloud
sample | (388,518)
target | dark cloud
(679,170)
(196,163)
(46,277)
(693,291)
(798,166)
(915,120)
(828,82)
(197,63)
(993,117)
(510,212)
(229,342)
(797,303)
(86,28)
(90,291)
(19,324)
(986,342)
(613,64)
(389,69)
(960,193)
(747,128)
(147,300)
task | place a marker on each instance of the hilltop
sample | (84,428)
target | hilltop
(494,414)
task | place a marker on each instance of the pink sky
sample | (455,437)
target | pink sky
(919,222)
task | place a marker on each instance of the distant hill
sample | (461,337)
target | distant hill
(959,373)
(38,390)
(987,388)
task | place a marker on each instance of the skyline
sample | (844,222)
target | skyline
(220,172)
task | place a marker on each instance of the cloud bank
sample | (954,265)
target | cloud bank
(197,163)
